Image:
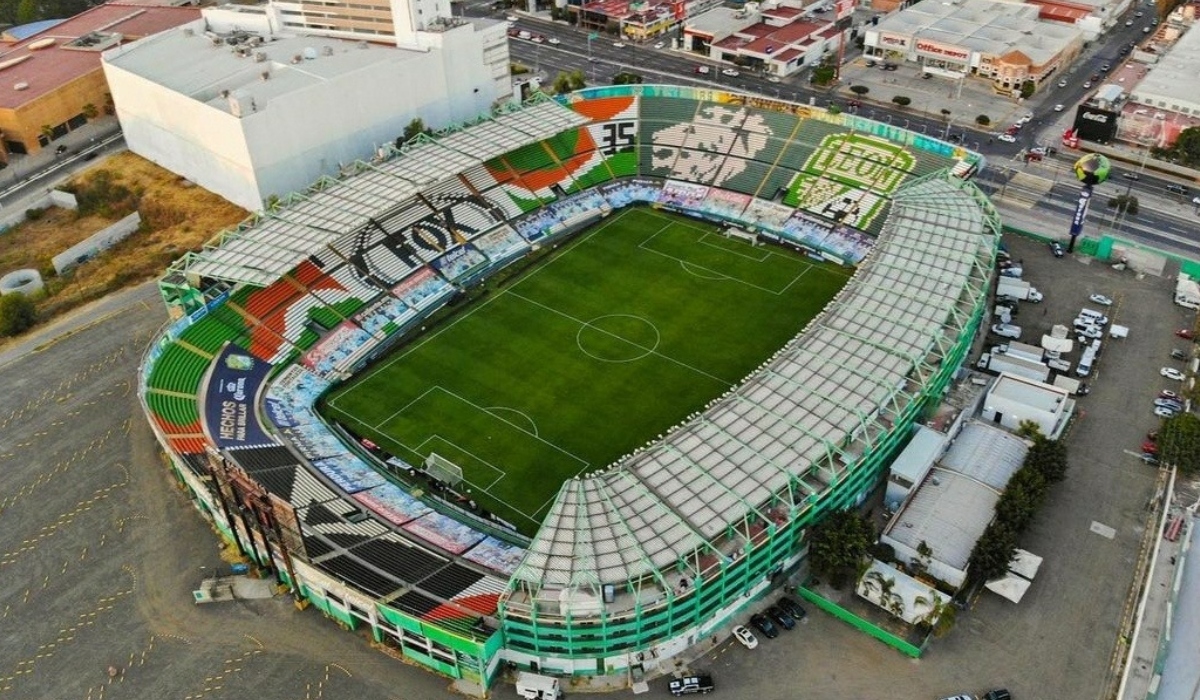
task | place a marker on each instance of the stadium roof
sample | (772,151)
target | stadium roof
(277,241)
(759,453)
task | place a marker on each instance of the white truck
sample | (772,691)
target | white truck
(1024,351)
(994,362)
(1018,289)
(533,686)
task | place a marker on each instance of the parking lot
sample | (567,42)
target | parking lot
(1060,640)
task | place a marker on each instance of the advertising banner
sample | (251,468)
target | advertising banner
(1097,125)
(234,384)
(894,42)
(1081,208)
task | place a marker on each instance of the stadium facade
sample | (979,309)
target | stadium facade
(637,562)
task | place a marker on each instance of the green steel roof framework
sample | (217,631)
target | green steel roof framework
(921,288)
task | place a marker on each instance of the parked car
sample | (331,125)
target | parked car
(1007,138)
(1149,458)
(1100,299)
(1165,394)
(1165,412)
(781,618)
(618,45)
(745,637)
(1171,373)
(1168,403)
(1149,448)
(964,696)
(1006,330)
(997,694)
(1089,332)
(1178,354)
(1185,333)
(553,41)
(730,72)
(691,685)
(660,45)
(792,608)
(1057,249)
(763,624)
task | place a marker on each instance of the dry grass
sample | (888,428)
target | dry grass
(176,217)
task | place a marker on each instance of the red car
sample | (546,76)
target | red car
(1150,447)
(1185,333)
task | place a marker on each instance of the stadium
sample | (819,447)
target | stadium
(251,387)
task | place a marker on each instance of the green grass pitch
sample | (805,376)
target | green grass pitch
(618,336)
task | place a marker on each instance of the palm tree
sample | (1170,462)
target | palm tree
(941,614)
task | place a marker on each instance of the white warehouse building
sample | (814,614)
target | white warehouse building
(250,112)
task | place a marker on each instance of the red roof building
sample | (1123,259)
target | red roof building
(52,82)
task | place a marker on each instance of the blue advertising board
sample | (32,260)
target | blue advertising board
(234,385)
(1081,208)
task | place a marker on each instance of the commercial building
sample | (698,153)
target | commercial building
(1157,109)
(53,79)
(955,503)
(776,39)
(638,20)
(1004,43)
(245,105)
(1013,400)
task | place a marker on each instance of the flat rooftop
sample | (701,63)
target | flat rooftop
(68,50)
(189,62)
(987,26)
(1029,393)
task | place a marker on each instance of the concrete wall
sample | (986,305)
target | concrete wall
(287,143)
(102,240)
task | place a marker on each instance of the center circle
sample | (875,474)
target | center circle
(617,338)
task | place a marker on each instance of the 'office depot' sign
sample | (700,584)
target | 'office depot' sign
(931,48)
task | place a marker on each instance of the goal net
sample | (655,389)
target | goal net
(442,469)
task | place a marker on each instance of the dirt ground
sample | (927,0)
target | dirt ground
(177,217)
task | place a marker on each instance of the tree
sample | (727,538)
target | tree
(920,565)
(946,114)
(1179,443)
(1126,203)
(941,614)
(414,129)
(993,552)
(902,100)
(89,111)
(626,78)
(1022,497)
(983,120)
(1029,429)
(823,74)
(27,11)
(1049,458)
(17,314)
(1027,89)
(569,82)
(1186,149)
(838,544)
(859,90)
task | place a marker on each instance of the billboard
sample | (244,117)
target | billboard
(234,384)
(1095,124)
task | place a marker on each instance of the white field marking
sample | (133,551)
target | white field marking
(437,438)
(668,358)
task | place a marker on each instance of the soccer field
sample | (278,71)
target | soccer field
(616,337)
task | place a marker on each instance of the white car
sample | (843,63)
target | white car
(660,45)
(1059,108)
(510,18)
(1005,330)
(553,41)
(745,637)
(1062,83)
(1100,299)
(1165,412)
(1171,373)
(730,72)
(1128,23)
(618,45)
(1007,138)
(1165,394)
(1090,332)
(773,79)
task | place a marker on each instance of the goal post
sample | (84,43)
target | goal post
(441,469)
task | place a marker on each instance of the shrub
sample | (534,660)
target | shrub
(17,314)
(902,100)
(983,120)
